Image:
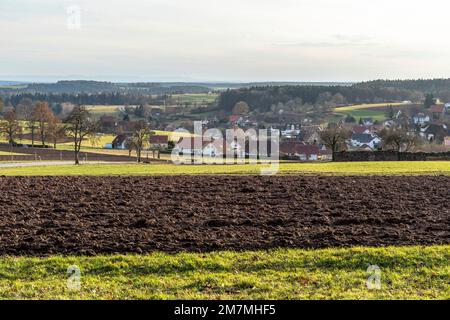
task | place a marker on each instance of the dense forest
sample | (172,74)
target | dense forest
(108,98)
(259,96)
(96,87)
(434,86)
(263,98)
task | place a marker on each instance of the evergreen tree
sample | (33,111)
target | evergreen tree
(429,100)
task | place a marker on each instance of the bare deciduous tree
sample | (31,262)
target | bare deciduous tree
(42,114)
(334,138)
(399,140)
(56,130)
(140,138)
(25,110)
(10,126)
(241,108)
(79,124)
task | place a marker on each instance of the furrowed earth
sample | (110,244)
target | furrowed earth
(104,215)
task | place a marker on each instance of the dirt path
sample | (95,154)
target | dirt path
(89,215)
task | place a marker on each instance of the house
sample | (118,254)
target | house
(299,150)
(159,141)
(108,123)
(325,153)
(367,121)
(251,121)
(291,131)
(421,118)
(214,148)
(235,119)
(237,149)
(310,134)
(437,111)
(361,129)
(127,126)
(120,142)
(364,140)
(207,147)
(433,131)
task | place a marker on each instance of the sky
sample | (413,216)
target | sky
(224,40)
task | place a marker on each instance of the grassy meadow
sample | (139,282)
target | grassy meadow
(376,111)
(406,273)
(285,168)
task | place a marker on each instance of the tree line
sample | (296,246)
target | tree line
(44,126)
(263,98)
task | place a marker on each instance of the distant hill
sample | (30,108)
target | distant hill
(435,86)
(94,87)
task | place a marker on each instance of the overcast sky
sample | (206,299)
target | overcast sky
(224,40)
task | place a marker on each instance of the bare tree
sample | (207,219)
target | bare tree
(79,124)
(25,113)
(42,114)
(334,138)
(10,126)
(140,138)
(241,108)
(56,130)
(399,140)
(94,140)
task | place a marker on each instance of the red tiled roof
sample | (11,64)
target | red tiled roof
(290,147)
(360,129)
(159,139)
(188,143)
(234,118)
(437,108)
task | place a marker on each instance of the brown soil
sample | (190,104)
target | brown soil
(91,215)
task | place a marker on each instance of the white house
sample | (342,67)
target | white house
(210,148)
(421,118)
(290,132)
(362,140)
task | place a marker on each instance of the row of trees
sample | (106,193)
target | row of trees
(38,118)
(78,125)
(264,98)
(396,139)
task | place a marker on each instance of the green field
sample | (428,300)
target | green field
(368,106)
(367,110)
(406,273)
(329,168)
(195,98)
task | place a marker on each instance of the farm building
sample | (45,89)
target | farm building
(159,141)
(210,147)
(299,150)
(108,123)
(120,142)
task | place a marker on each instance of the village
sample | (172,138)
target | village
(301,139)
